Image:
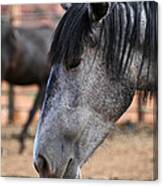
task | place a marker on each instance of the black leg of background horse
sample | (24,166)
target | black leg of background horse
(23,133)
(11,104)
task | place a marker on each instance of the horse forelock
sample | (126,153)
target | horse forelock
(68,42)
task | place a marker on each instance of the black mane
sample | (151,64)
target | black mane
(132,35)
(74,30)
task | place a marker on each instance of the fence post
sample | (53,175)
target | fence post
(15,15)
(155,121)
(10,104)
(139,109)
(15,21)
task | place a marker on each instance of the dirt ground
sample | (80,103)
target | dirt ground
(125,155)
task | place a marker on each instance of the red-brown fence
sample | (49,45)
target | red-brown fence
(32,15)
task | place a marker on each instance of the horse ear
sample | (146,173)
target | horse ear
(66,6)
(98,10)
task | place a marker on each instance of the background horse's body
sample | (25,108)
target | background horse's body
(109,51)
(24,61)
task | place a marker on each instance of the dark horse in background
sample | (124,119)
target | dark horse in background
(24,61)
(102,53)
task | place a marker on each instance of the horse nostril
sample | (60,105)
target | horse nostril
(40,164)
(69,163)
(43,167)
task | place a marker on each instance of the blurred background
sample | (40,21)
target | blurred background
(130,156)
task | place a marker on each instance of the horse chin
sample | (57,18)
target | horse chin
(69,172)
(47,174)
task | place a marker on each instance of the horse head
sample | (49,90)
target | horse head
(84,95)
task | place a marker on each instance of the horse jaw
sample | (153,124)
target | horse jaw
(90,139)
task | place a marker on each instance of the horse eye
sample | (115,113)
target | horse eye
(75,63)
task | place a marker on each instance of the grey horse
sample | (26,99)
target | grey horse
(101,54)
